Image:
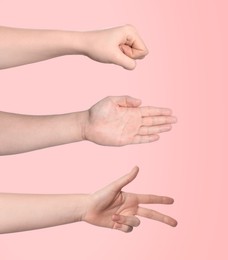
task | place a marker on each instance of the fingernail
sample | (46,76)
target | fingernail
(174,223)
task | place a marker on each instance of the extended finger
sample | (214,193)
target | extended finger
(126,220)
(152,214)
(140,139)
(158,120)
(155,111)
(150,130)
(122,227)
(124,180)
(154,199)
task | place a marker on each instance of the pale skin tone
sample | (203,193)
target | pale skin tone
(114,121)
(109,207)
(120,45)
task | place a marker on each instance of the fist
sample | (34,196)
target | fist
(120,46)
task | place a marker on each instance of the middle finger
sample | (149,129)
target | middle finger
(158,120)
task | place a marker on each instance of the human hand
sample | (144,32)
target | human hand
(120,45)
(118,121)
(112,208)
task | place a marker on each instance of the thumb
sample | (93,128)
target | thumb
(124,180)
(127,101)
(124,61)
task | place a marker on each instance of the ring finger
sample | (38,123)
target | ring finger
(150,130)
(122,227)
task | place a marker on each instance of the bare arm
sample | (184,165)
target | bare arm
(109,207)
(21,212)
(113,121)
(23,133)
(23,46)
(120,45)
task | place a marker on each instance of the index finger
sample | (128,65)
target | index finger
(155,111)
(154,199)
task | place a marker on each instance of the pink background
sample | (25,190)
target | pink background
(184,71)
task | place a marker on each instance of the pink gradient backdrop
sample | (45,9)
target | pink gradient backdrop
(185,71)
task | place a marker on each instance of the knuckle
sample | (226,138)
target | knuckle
(121,220)
(166,219)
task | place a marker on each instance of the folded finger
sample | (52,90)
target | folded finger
(133,53)
(124,60)
(126,220)
(139,49)
(123,228)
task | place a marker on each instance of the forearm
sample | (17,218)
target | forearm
(23,46)
(23,133)
(21,212)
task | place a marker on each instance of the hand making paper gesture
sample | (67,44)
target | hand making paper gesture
(114,121)
(120,121)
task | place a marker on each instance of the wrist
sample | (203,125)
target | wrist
(74,207)
(82,121)
(68,42)
(76,42)
(86,202)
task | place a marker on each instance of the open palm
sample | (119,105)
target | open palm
(119,121)
(112,208)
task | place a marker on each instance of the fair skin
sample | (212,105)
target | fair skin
(120,45)
(109,207)
(114,121)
